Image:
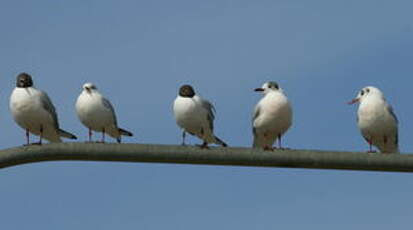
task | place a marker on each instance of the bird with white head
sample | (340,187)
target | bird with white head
(195,115)
(97,114)
(376,120)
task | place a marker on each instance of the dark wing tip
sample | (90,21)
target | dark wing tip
(221,142)
(67,134)
(125,132)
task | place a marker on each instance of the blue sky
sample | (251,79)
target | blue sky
(138,53)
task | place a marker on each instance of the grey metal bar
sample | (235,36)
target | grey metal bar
(212,156)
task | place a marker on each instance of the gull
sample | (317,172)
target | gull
(272,116)
(97,114)
(376,120)
(195,116)
(33,110)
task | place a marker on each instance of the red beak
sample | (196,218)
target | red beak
(355,100)
(258,89)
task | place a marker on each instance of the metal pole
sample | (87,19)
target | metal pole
(212,156)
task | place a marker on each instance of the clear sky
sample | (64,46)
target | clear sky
(138,53)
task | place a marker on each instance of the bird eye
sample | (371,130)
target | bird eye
(362,92)
(367,90)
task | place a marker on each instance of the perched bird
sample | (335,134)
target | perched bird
(97,114)
(376,120)
(33,110)
(272,116)
(195,116)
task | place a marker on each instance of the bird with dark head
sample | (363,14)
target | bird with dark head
(195,115)
(24,80)
(186,91)
(33,110)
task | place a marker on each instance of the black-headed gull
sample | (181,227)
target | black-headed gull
(97,113)
(376,120)
(195,116)
(272,116)
(33,110)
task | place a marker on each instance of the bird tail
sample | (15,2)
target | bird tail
(65,134)
(220,142)
(125,132)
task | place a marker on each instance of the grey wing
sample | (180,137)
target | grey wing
(256,141)
(109,106)
(390,110)
(256,113)
(49,107)
(210,112)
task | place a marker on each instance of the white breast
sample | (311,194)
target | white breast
(28,112)
(93,113)
(275,113)
(189,114)
(377,124)
(374,118)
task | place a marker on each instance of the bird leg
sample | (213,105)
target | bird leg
(205,144)
(41,134)
(103,135)
(279,142)
(40,137)
(370,141)
(27,137)
(90,135)
(183,138)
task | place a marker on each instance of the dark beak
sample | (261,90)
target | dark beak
(88,90)
(258,89)
(355,100)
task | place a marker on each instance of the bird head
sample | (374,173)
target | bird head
(366,92)
(24,80)
(186,91)
(270,86)
(89,87)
